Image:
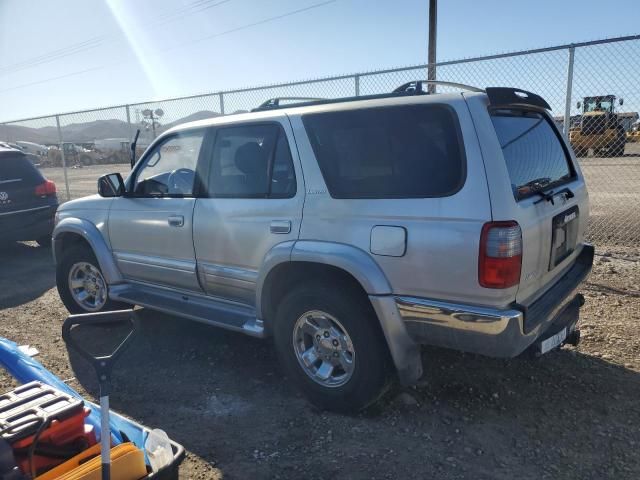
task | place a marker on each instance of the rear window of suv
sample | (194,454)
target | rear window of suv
(412,151)
(17,167)
(532,149)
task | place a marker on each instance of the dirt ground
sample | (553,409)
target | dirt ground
(571,414)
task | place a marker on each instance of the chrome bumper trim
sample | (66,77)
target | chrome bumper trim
(482,320)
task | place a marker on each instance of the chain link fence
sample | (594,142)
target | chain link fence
(592,87)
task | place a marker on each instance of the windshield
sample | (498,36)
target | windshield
(532,151)
(598,104)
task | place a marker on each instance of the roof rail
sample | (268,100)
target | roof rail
(498,96)
(415,86)
(275,102)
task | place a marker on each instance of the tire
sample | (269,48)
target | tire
(71,260)
(370,367)
(580,152)
(618,148)
(44,241)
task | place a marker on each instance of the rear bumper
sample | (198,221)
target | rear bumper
(494,332)
(28,224)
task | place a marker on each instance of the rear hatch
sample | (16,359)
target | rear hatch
(547,197)
(19,179)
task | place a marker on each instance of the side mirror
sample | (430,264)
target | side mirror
(111,185)
(578,105)
(621,101)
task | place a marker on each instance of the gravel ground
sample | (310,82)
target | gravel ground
(573,413)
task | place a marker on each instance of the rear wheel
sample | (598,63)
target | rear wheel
(81,284)
(330,345)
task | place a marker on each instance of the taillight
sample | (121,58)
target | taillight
(45,189)
(500,257)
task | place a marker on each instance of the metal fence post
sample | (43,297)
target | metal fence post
(567,101)
(356,79)
(129,121)
(64,161)
(221,104)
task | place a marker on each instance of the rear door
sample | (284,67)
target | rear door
(253,202)
(534,180)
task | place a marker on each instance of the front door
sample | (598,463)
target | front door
(150,228)
(253,202)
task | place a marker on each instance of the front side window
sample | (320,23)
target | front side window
(532,151)
(252,161)
(412,151)
(169,170)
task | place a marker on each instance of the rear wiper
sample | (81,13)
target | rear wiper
(533,186)
(548,196)
(536,183)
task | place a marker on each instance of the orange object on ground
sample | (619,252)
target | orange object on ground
(53,419)
(127,463)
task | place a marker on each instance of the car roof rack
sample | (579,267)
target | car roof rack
(403,91)
(276,102)
(415,87)
(498,96)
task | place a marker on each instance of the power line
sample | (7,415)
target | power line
(86,45)
(47,80)
(198,40)
(195,7)
(54,54)
(249,25)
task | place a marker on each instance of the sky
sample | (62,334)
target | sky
(61,56)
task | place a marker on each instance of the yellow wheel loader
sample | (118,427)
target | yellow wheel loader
(599,128)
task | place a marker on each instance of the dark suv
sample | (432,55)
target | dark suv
(28,201)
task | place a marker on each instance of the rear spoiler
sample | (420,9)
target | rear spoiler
(507,96)
(498,96)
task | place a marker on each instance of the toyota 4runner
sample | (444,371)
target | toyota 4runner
(351,231)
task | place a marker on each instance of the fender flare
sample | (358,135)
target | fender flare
(89,232)
(351,259)
(359,264)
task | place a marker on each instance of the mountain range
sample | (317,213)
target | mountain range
(86,132)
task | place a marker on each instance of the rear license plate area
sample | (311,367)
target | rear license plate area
(564,235)
(553,341)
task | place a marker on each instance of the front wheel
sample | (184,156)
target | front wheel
(80,283)
(618,148)
(331,346)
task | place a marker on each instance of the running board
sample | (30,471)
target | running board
(194,307)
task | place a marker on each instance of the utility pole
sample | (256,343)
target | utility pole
(149,118)
(153,123)
(433,26)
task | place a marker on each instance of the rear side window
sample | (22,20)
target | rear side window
(252,161)
(412,151)
(18,168)
(532,150)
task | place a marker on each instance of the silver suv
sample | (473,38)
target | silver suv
(351,231)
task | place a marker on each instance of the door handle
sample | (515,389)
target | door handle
(176,221)
(281,226)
